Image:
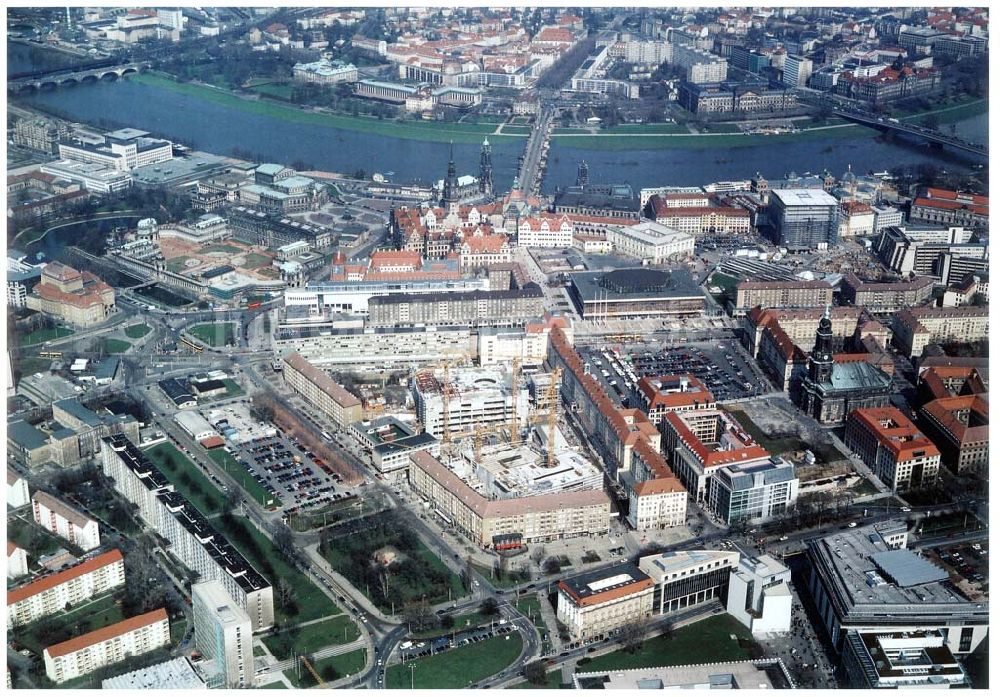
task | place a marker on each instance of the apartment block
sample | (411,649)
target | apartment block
(892,447)
(84,654)
(916,327)
(17,561)
(223,634)
(960,427)
(192,538)
(601,602)
(781,294)
(65,521)
(320,390)
(17,490)
(50,594)
(884,296)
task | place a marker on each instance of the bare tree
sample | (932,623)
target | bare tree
(634,633)
(537,554)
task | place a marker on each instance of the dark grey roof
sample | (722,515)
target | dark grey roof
(640,282)
(25,435)
(906,568)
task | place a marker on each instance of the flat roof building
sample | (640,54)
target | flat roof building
(763,674)
(222,632)
(635,293)
(899,660)
(864,579)
(804,218)
(652,242)
(175,674)
(321,390)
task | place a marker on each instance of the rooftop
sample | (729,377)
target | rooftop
(635,283)
(105,633)
(604,585)
(175,674)
(804,197)
(45,583)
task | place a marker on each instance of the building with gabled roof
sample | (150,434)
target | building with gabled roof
(65,521)
(667,393)
(960,428)
(892,447)
(50,594)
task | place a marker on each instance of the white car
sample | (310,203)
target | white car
(905,510)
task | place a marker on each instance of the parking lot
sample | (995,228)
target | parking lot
(409,650)
(722,366)
(968,565)
(301,479)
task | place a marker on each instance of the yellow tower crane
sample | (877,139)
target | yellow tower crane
(550,417)
(515,383)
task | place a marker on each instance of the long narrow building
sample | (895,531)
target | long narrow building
(51,594)
(322,391)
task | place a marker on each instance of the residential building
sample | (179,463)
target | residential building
(474,308)
(915,327)
(50,594)
(84,654)
(781,294)
(831,389)
(686,579)
(752,492)
(864,579)
(668,393)
(17,561)
(193,540)
(891,296)
(652,242)
(959,426)
(760,595)
(17,489)
(40,134)
(973,289)
(223,634)
(702,66)
(521,520)
(657,503)
(901,660)
(600,603)
(804,218)
(79,298)
(892,447)
(65,521)
(950,208)
(358,346)
(529,345)
(124,150)
(319,389)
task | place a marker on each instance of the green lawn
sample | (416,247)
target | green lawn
(313,637)
(410,130)
(330,669)
(467,621)
(253,488)
(277,90)
(776,446)
(177,264)
(115,346)
(312,602)
(459,667)
(253,261)
(647,128)
(34,539)
(724,281)
(232,389)
(29,365)
(216,334)
(100,612)
(274,686)
(531,607)
(187,478)
(516,130)
(506,582)
(708,641)
(225,248)
(40,336)
(137,331)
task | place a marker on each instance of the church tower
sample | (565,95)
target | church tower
(821,358)
(486,170)
(449,194)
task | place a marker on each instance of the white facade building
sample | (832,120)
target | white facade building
(545,231)
(476,397)
(222,633)
(17,561)
(76,584)
(17,490)
(759,595)
(65,521)
(651,241)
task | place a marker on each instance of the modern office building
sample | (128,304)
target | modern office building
(94,177)
(124,150)
(760,596)
(804,218)
(192,538)
(864,579)
(599,603)
(892,447)
(84,654)
(689,578)
(223,634)
(930,251)
(652,242)
(505,521)
(65,521)
(797,71)
(50,594)
(22,275)
(377,346)
(351,297)
(752,492)
(901,660)
(319,389)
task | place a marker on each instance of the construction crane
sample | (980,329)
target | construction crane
(515,382)
(309,666)
(550,417)
(446,406)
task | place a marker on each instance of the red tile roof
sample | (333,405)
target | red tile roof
(896,432)
(103,634)
(942,411)
(52,580)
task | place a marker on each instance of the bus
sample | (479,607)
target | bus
(191,345)
(50,354)
(254,306)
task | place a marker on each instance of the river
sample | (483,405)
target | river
(207,125)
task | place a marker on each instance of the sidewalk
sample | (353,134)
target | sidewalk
(345,586)
(549,616)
